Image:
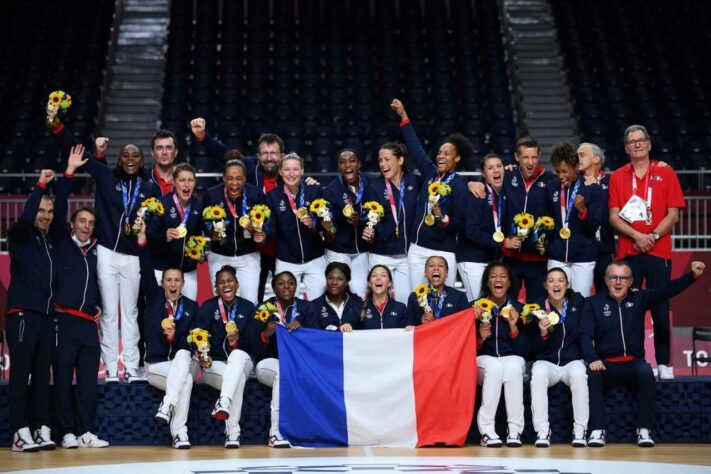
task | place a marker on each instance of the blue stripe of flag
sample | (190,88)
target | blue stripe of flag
(312,410)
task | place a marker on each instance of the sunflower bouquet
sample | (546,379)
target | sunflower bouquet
(215,218)
(321,208)
(265,312)
(259,216)
(435,192)
(201,339)
(195,247)
(422,292)
(524,223)
(149,207)
(529,310)
(486,306)
(57,104)
(543,224)
(374,213)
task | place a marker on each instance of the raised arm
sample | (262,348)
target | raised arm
(414,147)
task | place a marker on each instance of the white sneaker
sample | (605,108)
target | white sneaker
(543,439)
(232,441)
(513,440)
(164,414)
(579,440)
(22,441)
(597,439)
(134,376)
(665,372)
(221,411)
(43,437)
(276,440)
(644,439)
(69,441)
(491,440)
(181,441)
(90,440)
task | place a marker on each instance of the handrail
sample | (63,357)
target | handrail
(100,121)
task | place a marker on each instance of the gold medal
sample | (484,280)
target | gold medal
(430,219)
(127,228)
(348,211)
(182,231)
(231,326)
(498,236)
(564,233)
(244,222)
(302,212)
(166,323)
(553,318)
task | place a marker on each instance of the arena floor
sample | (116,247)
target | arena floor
(613,459)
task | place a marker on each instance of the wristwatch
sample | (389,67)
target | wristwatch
(656,236)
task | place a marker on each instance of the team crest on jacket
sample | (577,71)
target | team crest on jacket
(606,310)
(541,184)
(282,206)
(173,212)
(555,196)
(324,312)
(448,305)
(629,304)
(514,181)
(368,314)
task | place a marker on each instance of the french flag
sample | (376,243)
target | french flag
(388,388)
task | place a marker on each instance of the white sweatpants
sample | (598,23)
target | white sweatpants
(398,267)
(119,281)
(175,379)
(359,269)
(229,378)
(471,274)
(190,286)
(311,272)
(417,257)
(248,268)
(493,373)
(268,373)
(546,374)
(580,275)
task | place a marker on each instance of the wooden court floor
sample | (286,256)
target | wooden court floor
(693,454)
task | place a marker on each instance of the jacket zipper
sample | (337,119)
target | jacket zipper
(622,330)
(86,281)
(561,344)
(51,293)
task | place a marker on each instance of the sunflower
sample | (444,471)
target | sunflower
(262,315)
(529,308)
(421,290)
(374,206)
(258,217)
(55,97)
(200,240)
(433,188)
(545,222)
(484,303)
(198,336)
(524,220)
(316,205)
(193,253)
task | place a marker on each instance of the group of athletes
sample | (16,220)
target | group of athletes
(363,252)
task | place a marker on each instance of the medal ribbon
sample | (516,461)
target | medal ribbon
(176,315)
(231,206)
(292,313)
(648,185)
(401,199)
(496,204)
(437,307)
(563,312)
(292,198)
(566,208)
(127,206)
(184,213)
(361,189)
(223,314)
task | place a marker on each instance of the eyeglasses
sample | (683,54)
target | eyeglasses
(162,148)
(618,278)
(269,153)
(639,141)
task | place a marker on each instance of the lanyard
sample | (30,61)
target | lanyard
(127,206)
(176,315)
(401,199)
(361,188)
(496,205)
(565,208)
(292,314)
(223,314)
(231,206)
(184,213)
(497,309)
(292,198)
(648,185)
(439,178)
(439,304)
(564,310)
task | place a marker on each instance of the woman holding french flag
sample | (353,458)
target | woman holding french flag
(500,355)
(379,310)
(289,311)
(168,233)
